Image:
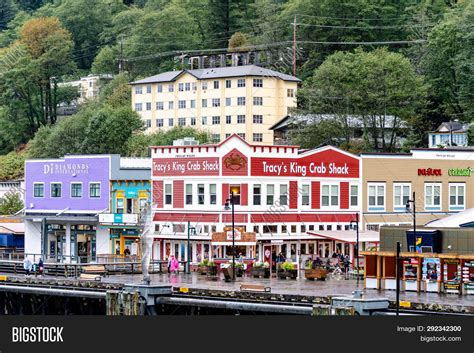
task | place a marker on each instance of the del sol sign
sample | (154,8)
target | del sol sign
(460,172)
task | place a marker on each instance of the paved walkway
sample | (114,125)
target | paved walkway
(300,286)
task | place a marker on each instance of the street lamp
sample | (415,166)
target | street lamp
(227,208)
(407,206)
(356,222)
(188,263)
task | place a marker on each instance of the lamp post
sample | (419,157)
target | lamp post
(356,254)
(188,263)
(397,269)
(407,206)
(231,201)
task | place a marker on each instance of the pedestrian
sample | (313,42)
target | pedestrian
(27,265)
(169,263)
(347,263)
(174,265)
(40,266)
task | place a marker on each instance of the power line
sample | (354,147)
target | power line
(361,27)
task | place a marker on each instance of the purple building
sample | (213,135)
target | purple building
(62,203)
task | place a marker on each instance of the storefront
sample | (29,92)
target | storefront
(280,193)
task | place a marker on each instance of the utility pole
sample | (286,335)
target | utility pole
(121,55)
(294,46)
(397,268)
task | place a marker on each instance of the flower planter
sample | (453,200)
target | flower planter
(258,272)
(316,273)
(212,271)
(202,270)
(239,271)
(284,274)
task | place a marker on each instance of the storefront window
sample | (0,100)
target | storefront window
(213,194)
(55,189)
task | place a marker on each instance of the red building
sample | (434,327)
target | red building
(298,203)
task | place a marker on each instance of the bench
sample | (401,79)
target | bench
(95,269)
(89,277)
(254,288)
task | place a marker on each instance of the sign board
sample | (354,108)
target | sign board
(460,171)
(237,233)
(185,166)
(404,304)
(118,218)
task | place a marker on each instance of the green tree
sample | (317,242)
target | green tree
(380,88)
(105,61)
(11,203)
(7,13)
(11,165)
(138,145)
(117,92)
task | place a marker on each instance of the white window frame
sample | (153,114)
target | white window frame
(402,205)
(432,206)
(356,195)
(82,190)
(166,194)
(286,195)
(330,195)
(308,194)
(51,190)
(456,206)
(39,197)
(186,194)
(89,190)
(377,207)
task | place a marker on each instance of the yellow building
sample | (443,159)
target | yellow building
(246,100)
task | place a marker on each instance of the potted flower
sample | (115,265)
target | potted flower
(314,271)
(211,269)
(260,269)
(287,269)
(239,269)
(202,267)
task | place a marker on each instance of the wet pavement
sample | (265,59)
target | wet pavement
(300,286)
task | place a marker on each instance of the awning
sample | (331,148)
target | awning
(229,243)
(348,236)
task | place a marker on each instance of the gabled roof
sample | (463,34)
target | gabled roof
(452,126)
(218,72)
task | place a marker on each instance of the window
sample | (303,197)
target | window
(181,87)
(235,190)
(170,105)
(228,102)
(376,194)
(216,84)
(193,86)
(138,90)
(257,101)
(204,120)
(159,122)
(119,205)
(213,194)
(170,122)
(456,196)
(215,137)
(216,120)
(187,86)
(170,87)
(241,82)
(193,103)
(303,230)
(193,121)
(204,103)
(240,100)
(76,190)
(200,194)
(168,194)
(293,228)
(38,190)
(284,229)
(181,121)
(94,190)
(142,204)
(354,195)
(181,104)
(258,119)
(270,229)
(241,135)
(148,88)
(138,107)
(204,85)
(227,135)
(160,88)
(178,228)
(283,195)
(257,194)
(257,82)
(216,102)
(148,123)
(160,106)
(401,194)
(228,83)
(189,194)
(329,195)
(257,137)
(228,119)
(290,93)
(270,194)
(148,106)
(305,194)
(55,190)
(432,197)
(240,119)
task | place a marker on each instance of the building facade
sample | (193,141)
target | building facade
(246,100)
(441,179)
(298,204)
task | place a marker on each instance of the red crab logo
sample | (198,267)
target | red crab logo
(235,162)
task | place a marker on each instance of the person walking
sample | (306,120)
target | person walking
(40,266)
(174,265)
(27,265)
(347,264)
